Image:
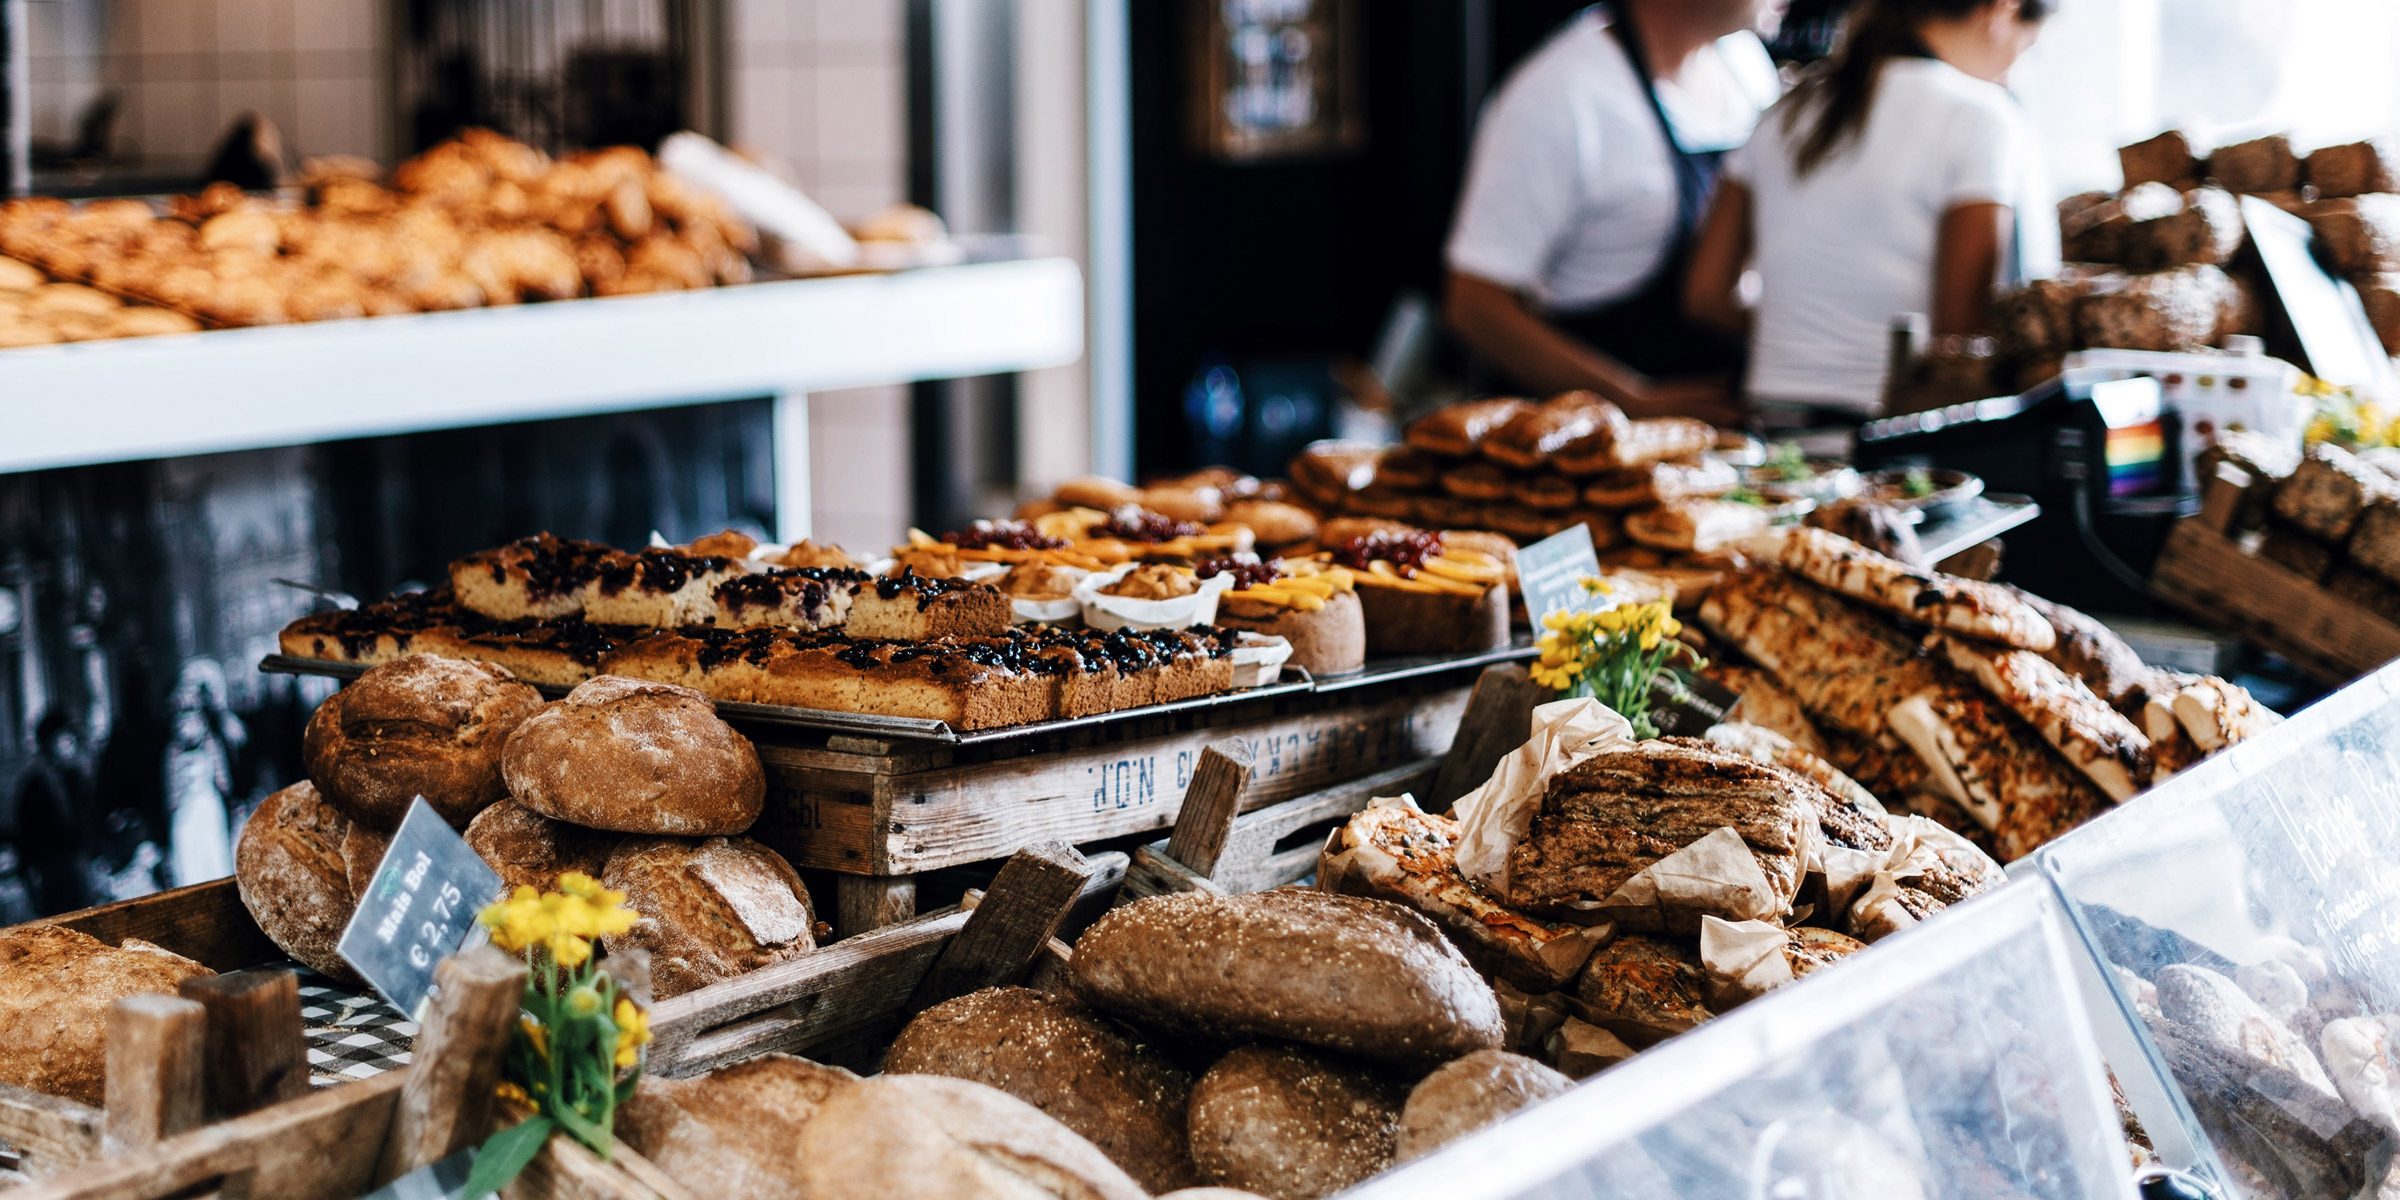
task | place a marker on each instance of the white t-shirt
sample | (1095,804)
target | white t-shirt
(1570,193)
(1842,252)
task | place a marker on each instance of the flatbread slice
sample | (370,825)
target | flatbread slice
(2094,738)
(1945,602)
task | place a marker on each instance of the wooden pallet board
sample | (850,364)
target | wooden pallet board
(851,812)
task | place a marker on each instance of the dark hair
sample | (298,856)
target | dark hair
(1841,90)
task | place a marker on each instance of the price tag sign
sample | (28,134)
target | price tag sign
(418,909)
(1552,571)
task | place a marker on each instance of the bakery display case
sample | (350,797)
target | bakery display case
(1950,1061)
(2243,916)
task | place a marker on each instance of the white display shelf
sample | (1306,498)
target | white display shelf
(238,389)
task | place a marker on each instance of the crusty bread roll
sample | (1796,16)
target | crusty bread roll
(732,1131)
(636,757)
(923,1137)
(362,852)
(289,869)
(531,850)
(416,726)
(56,985)
(1292,1125)
(1275,523)
(1353,975)
(1469,1093)
(709,910)
(1062,1058)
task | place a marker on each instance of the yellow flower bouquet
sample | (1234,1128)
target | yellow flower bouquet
(1611,654)
(579,1045)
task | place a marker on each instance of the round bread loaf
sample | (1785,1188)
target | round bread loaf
(636,757)
(362,852)
(56,986)
(708,911)
(1063,1059)
(289,870)
(1466,1094)
(923,1137)
(730,1132)
(416,726)
(1291,1125)
(531,850)
(1359,976)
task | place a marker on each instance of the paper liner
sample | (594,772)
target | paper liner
(1258,659)
(1109,613)
(1714,876)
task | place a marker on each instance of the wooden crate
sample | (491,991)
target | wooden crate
(881,813)
(2204,572)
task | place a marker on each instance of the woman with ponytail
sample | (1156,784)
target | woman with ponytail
(1898,177)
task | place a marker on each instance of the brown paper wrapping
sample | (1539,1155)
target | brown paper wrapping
(1581,1050)
(1917,844)
(1494,817)
(1714,876)
(1744,960)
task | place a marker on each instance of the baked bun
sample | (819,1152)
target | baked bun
(416,726)
(709,911)
(923,1137)
(1275,523)
(289,869)
(1091,491)
(730,1132)
(56,986)
(1644,989)
(636,757)
(1455,430)
(1469,1093)
(1061,1058)
(1326,473)
(1256,966)
(1291,1125)
(531,850)
(1203,505)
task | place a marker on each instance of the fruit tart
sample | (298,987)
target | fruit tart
(1421,596)
(1313,605)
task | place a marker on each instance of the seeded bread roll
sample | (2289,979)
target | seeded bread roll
(709,911)
(56,985)
(730,1132)
(1469,1093)
(416,726)
(1063,1059)
(923,1137)
(1352,975)
(1291,1125)
(531,850)
(636,757)
(288,868)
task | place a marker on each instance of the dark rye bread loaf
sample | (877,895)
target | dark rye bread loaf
(56,986)
(730,1132)
(1617,814)
(923,1137)
(708,911)
(636,757)
(290,871)
(1292,1125)
(1469,1093)
(416,726)
(1062,1058)
(531,850)
(1348,974)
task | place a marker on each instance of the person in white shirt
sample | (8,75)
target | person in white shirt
(1591,169)
(1900,177)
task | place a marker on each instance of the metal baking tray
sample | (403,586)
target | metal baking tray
(1389,670)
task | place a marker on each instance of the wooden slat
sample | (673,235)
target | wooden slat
(52,1130)
(447,1103)
(566,1170)
(1007,931)
(1499,717)
(257,1047)
(1155,873)
(1252,864)
(1205,822)
(869,902)
(204,922)
(156,1047)
(2207,575)
(1131,783)
(2221,497)
(320,1145)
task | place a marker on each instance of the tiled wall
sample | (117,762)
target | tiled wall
(817,86)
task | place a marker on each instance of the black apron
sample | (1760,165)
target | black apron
(1647,330)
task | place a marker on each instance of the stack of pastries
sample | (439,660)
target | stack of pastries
(539,789)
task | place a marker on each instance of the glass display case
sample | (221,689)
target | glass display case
(2247,919)
(1953,1060)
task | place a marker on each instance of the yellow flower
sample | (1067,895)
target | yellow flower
(2320,430)
(511,1092)
(569,951)
(1593,585)
(633,1031)
(583,1002)
(534,1033)
(576,883)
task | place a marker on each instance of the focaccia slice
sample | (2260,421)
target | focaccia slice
(1946,602)
(2096,739)
(1999,771)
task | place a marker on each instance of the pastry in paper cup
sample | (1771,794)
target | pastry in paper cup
(1117,598)
(1042,593)
(1258,659)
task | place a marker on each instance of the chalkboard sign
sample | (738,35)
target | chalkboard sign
(1551,572)
(418,909)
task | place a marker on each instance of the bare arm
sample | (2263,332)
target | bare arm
(1966,261)
(1499,325)
(1712,291)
